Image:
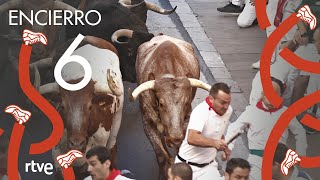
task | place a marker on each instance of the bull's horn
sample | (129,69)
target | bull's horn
(199,84)
(14,4)
(49,88)
(42,63)
(113,83)
(142,87)
(127,4)
(63,6)
(121,33)
(157,9)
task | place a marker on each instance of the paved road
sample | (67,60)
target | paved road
(220,44)
(135,152)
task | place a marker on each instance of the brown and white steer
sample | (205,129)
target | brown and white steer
(167,74)
(92,115)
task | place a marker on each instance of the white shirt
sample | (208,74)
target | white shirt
(261,124)
(211,125)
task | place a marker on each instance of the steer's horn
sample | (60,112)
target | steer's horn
(13,4)
(142,87)
(199,84)
(127,4)
(49,88)
(63,6)
(157,9)
(121,33)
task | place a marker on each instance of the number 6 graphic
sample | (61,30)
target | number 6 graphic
(67,58)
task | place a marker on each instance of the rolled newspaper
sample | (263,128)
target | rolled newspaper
(235,136)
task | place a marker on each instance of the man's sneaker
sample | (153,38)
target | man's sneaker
(21,116)
(256,65)
(306,15)
(65,160)
(30,37)
(291,159)
(230,9)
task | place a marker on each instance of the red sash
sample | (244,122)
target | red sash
(279,14)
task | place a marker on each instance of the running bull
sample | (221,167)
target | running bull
(92,115)
(114,16)
(167,74)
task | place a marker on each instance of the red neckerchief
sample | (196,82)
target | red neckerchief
(211,106)
(279,14)
(113,174)
(260,106)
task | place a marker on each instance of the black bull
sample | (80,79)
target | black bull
(114,16)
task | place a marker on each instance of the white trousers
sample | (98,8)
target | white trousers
(247,16)
(256,164)
(206,173)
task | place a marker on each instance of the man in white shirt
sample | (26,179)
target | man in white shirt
(204,135)
(279,71)
(261,119)
(100,166)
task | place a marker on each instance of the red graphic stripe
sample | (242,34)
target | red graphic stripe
(261,12)
(68,173)
(1,131)
(310,162)
(41,103)
(277,131)
(266,56)
(311,122)
(13,151)
(298,62)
